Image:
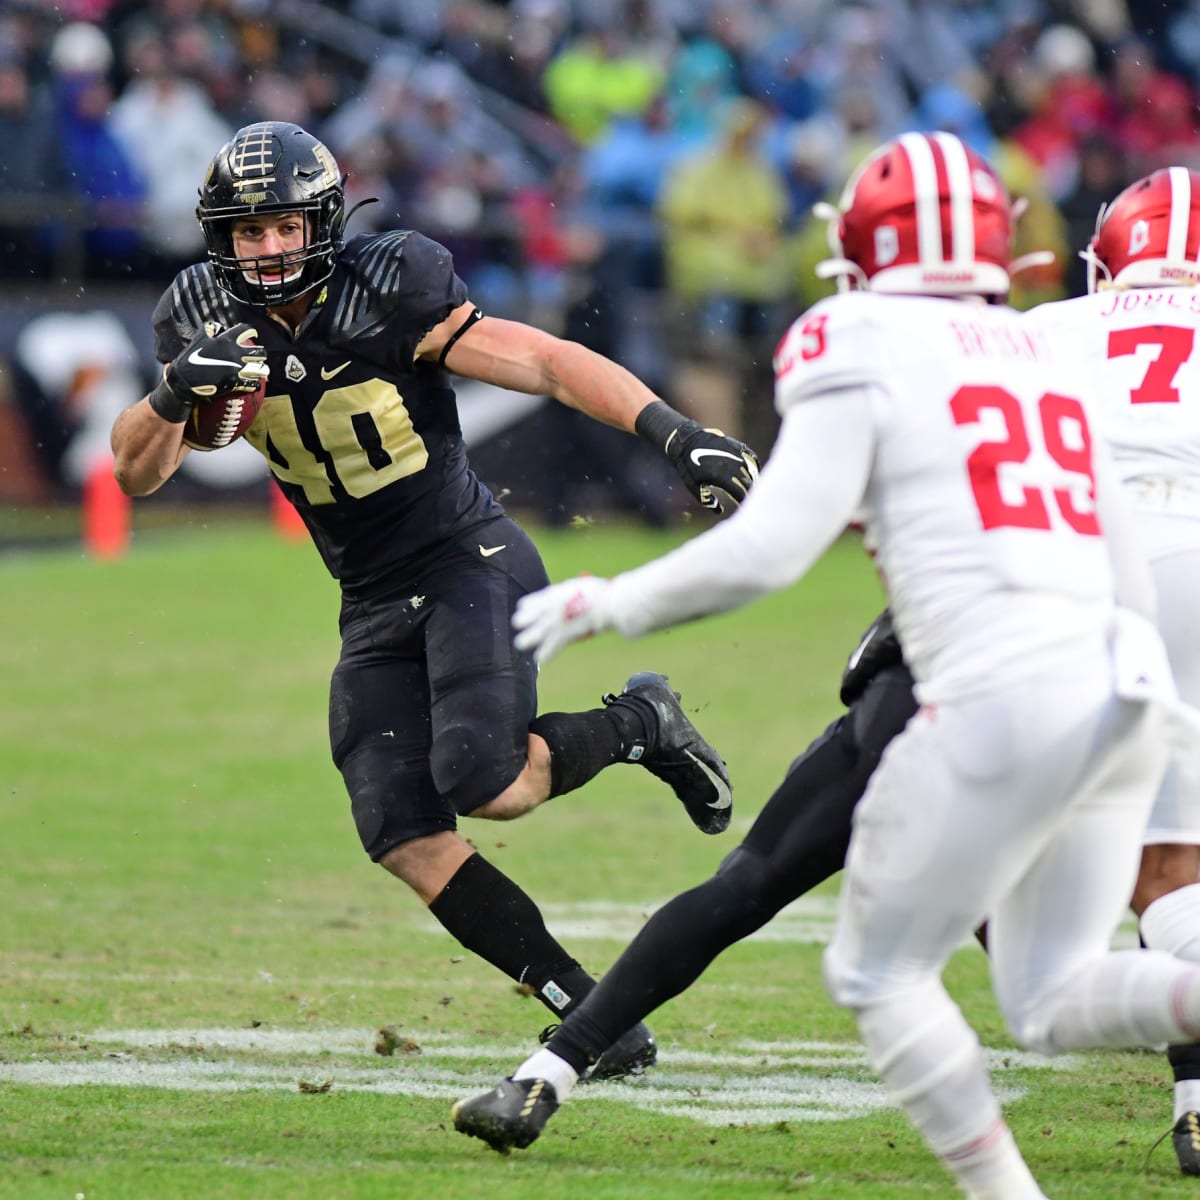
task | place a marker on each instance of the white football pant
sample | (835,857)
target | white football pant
(1173,546)
(1025,807)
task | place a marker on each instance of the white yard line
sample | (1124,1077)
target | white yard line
(746,1083)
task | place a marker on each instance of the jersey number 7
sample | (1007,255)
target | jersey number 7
(1174,348)
(1067,440)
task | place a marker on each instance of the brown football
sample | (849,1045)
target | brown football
(223,419)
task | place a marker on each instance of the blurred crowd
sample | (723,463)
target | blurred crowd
(640,172)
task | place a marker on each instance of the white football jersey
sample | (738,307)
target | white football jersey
(980,507)
(1144,348)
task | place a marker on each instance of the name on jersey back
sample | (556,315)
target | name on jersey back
(980,340)
(1181,299)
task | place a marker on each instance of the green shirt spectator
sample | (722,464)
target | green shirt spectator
(725,213)
(596,78)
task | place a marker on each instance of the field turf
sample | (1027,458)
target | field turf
(206,990)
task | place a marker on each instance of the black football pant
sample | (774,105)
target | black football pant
(798,840)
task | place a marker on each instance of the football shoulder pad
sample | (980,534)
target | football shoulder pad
(833,345)
(399,281)
(193,301)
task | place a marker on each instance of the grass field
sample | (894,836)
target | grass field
(196,959)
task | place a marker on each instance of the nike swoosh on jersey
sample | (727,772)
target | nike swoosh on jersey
(697,455)
(724,795)
(336,370)
(487,553)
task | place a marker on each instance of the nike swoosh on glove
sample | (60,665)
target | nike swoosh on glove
(546,621)
(718,470)
(215,364)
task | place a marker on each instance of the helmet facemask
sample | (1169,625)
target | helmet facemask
(268,169)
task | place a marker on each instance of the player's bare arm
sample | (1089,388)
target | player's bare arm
(512,355)
(717,469)
(146,449)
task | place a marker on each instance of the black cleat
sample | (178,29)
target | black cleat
(512,1114)
(1186,1137)
(630,1054)
(677,753)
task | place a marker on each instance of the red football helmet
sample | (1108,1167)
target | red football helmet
(923,215)
(1149,236)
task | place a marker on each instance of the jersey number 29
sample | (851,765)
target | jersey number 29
(1067,441)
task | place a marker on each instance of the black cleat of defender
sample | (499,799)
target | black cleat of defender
(1186,1138)
(512,1114)
(630,1054)
(677,753)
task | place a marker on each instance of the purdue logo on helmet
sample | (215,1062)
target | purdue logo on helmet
(1149,235)
(923,215)
(272,167)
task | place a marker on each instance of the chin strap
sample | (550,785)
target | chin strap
(838,267)
(360,204)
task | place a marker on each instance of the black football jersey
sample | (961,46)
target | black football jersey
(364,441)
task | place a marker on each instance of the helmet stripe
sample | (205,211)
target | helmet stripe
(1181,213)
(925,192)
(962,198)
(253,157)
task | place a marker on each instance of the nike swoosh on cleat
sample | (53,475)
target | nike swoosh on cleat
(724,795)
(336,370)
(697,455)
(491,550)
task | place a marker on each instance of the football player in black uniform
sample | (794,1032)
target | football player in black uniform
(432,713)
(798,839)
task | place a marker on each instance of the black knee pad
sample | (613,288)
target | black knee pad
(393,800)
(469,774)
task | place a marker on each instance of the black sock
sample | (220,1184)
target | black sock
(1185,1061)
(583,744)
(491,916)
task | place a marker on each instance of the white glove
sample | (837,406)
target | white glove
(560,614)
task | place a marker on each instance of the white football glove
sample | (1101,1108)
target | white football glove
(560,614)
